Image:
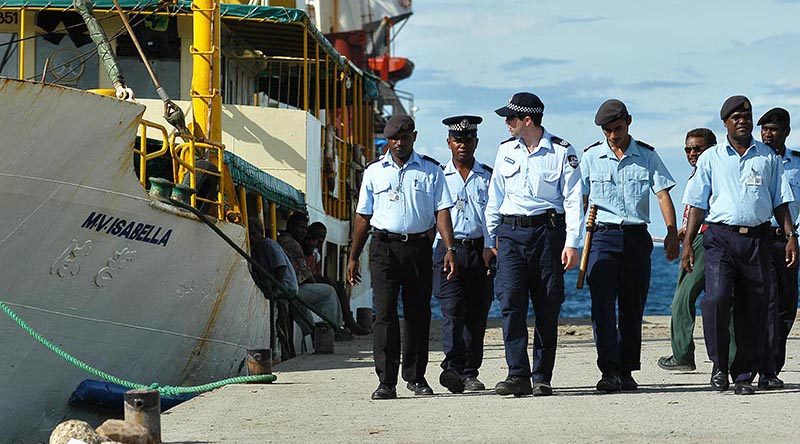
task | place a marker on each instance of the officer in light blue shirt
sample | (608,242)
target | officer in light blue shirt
(740,183)
(618,177)
(403,196)
(465,299)
(782,308)
(533,219)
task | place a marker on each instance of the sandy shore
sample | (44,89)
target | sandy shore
(325,398)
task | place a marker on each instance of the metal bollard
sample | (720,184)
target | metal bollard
(364,318)
(143,407)
(323,338)
(259,361)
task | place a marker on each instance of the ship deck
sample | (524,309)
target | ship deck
(325,398)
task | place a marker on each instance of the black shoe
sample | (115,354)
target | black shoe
(343,334)
(514,385)
(669,363)
(609,384)
(627,383)
(384,392)
(420,388)
(353,326)
(451,381)
(744,388)
(473,384)
(770,383)
(719,380)
(542,388)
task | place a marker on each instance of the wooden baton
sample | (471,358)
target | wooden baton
(587,244)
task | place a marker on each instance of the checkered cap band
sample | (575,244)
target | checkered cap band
(524,109)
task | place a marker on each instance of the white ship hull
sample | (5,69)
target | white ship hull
(91,263)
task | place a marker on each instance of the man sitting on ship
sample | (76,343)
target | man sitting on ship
(320,297)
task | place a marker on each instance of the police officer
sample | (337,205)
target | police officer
(740,184)
(782,307)
(403,195)
(533,219)
(617,177)
(465,299)
(690,285)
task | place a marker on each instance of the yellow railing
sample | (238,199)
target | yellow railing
(184,155)
(144,156)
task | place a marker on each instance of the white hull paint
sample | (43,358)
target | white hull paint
(180,311)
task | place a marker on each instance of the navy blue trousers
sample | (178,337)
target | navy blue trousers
(529,268)
(618,274)
(781,310)
(465,300)
(738,276)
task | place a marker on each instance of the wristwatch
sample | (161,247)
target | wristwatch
(451,249)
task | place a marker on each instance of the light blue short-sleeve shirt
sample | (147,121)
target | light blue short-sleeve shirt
(469,200)
(403,199)
(621,187)
(791,170)
(738,190)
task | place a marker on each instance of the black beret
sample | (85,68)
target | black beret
(399,123)
(733,104)
(463,126)
(775,115)
(609,111)
(521,104)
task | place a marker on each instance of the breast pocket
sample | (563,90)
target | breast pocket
(380,192)
(547,184)
(423,185)
(793,177)
(512,178)
(601,185)
(639,182)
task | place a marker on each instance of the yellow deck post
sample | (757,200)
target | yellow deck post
(306,82)
(243,208)
(23,43)
(260,209)
(273,221)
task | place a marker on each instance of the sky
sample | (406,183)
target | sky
(673,63)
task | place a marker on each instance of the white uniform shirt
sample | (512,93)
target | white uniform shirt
(469,200)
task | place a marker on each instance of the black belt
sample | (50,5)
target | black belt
(399,237)
(548,218)
(477,242)
(777,233)
(758,230)
(620,227)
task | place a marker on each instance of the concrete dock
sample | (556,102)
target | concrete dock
(325,398)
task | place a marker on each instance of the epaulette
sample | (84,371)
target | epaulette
(509,140)
(559,141)
(375,160)
(592,145)
(431,159)
(487,168)
(795,153)
(644,145)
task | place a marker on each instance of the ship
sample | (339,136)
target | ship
(94,256)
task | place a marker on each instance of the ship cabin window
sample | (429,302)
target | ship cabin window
(158,36)
(65,53)
(238,80)
(9,58)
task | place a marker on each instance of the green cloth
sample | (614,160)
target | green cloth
(272,188)
(689,287)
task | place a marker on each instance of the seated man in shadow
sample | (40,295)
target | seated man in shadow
(320,297)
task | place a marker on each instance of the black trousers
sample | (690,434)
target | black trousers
(465,300)
(395,265)
(737,275)
(781,310)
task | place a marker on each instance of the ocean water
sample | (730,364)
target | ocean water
(664,276)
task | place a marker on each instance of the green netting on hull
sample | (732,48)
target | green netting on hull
(256,180)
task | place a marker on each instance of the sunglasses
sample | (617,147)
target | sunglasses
(697,149)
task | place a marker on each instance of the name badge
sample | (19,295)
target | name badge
(394,196)
(754,179)
(460,204)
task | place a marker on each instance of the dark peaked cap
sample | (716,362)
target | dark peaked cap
(733,104)
(398,124)
(775,115)
(609,111)
(463,126)
(522,104)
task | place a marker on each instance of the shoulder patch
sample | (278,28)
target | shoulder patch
(490,170)
(443,166)
(644,145)
(573,160)
(431,159)
(559,141)
(592,145)
(508,140)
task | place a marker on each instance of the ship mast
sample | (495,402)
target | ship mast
(205,93)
